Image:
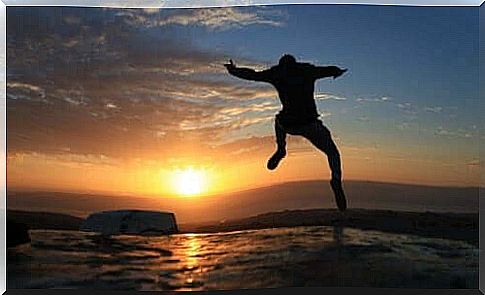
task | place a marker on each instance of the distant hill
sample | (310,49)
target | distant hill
(44,220)
(291,196)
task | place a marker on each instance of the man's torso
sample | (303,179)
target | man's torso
(295,88)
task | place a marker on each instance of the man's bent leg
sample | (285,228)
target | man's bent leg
(321,138)
(281,147)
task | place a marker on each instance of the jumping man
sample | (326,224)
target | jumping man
(295,83)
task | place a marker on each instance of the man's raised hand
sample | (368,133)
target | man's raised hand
(339,73)
(230,65)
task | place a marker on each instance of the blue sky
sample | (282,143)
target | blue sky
(423,59)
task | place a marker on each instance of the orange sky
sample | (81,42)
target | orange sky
(224,172)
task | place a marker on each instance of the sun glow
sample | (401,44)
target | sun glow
(189,182)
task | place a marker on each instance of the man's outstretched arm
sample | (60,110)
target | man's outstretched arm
(331,71)
(248,74)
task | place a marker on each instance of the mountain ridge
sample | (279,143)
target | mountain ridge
(289,195)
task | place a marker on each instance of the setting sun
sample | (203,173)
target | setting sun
(189,181)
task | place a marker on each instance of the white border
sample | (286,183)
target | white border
(141,4)
(3,144)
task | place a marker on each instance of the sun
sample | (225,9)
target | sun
(189,182)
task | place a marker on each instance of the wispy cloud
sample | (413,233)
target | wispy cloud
(327,96)
(19,90)
(474,163)
(453,133)
(379,99)
(435,109)
(408,108)
(226,18)
(211,18)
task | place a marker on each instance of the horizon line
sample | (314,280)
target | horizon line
(133,194)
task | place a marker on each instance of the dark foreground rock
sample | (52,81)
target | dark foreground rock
(454,226)
(17,234)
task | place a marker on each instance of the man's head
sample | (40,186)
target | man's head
(287,60)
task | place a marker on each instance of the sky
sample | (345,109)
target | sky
(124,100)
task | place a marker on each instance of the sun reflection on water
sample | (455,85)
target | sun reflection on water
(191,262)
(192,249)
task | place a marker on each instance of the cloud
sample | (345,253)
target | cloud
(224,18)
(453,133)
(327,96)
(245,122)
(474,163)
(210,18)
(379,99)
(19,90)
(252,107)
(408,109)
(66,160)
(98,92)
(403,125)
(436,109)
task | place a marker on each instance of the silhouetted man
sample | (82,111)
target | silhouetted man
(295,83)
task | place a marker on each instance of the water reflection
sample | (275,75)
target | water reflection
(285,257)
(191,255)
(192,249)
(338,233)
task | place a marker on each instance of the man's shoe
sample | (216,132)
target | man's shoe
(340,199)
(275,159)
